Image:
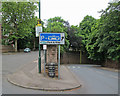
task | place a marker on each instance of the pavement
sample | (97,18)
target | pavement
(29,77)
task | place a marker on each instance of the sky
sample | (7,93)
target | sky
(72,11)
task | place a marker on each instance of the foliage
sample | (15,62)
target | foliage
(110,32)
(84,32)
(101,38)
(92,43)
(18,19)
(57,24)
(85,28)
(30,41)
(0,12)
(75,41)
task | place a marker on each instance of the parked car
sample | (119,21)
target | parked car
(27,50)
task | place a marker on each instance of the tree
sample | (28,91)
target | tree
(101,38)
(0,12)
(57,24)
(93,42)
(84,31)
(110,32)
(18,19)
(75,41)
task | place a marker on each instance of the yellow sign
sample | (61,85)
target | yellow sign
(39,22)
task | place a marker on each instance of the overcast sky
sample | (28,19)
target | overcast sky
(72,10)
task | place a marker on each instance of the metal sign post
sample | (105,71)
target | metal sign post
(44,48)
(38,30)
(59,62)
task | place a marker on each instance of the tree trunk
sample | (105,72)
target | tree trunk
(15,45)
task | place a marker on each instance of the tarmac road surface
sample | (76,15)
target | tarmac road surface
(94,80)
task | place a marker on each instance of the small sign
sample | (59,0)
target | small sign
(52,38)
(38,30)
(44,47)
(39,22)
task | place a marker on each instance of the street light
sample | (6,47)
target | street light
(39,59)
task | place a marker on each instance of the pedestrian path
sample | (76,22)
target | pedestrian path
(28,77)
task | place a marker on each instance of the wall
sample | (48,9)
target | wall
(7,48)
(111,64)
(51,54)
(73,57)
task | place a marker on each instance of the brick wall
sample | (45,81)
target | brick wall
(73,57)
(111,64)
(52,54)
(7,48)
(52,57)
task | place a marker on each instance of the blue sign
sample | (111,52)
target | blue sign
(52,38)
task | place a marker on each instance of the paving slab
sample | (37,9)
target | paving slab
(28,77)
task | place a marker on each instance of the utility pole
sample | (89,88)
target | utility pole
(39,59)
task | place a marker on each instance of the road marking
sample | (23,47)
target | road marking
(99,72)
(114,76)
(73,67)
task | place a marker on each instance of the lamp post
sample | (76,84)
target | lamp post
(39,59)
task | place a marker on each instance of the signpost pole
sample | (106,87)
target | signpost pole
(44,61)
(44,48)
(58,61)
(39,59)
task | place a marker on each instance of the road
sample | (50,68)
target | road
(94,80)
